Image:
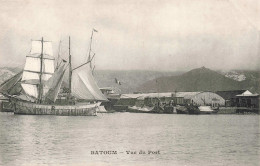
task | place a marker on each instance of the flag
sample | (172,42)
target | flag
(117,82)
(95,30)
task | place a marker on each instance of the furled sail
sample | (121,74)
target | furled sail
(84,85)
(54,83)
(32,70)
(11,86)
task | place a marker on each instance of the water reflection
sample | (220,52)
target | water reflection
(181,139)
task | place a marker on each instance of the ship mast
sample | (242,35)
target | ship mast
(90,47)
(40,85)
(58,63)
(89,61)
(89,56)
(70,69)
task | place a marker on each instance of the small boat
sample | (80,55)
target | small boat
(207,110)
(144,109)
(167,109)
(101,109)
(182,110)
(120,108)
(193,109)
(196,110)
(187,109)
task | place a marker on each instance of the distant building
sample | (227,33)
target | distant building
(107,90)
(177,98)
(201,98)
(111,95)
(240,98)
(230,96)
(127,100)
(144,98)
(247,99)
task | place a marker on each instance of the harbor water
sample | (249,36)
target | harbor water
(130,139)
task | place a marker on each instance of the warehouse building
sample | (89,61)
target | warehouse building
(177,98)
(247,99)
(201,98)
(230,96)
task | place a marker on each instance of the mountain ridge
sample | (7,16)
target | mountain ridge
(130,80)
(199,79)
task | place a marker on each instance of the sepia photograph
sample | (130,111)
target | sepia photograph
(129,82)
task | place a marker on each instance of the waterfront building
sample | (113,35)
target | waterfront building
(247,99)
(201,98)
(230,96)
(176,98)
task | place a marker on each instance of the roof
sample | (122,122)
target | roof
(113,96)
(253,95)
(247,94)
(186,95)
(227,95)
(144,95)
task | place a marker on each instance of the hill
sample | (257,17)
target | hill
(200,79)
(130,80)
(6,73)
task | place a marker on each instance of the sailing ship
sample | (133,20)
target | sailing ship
(35,90)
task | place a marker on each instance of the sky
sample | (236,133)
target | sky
(164,35)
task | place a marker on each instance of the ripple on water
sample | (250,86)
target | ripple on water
(181,139)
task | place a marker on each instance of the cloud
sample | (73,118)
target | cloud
(157,35)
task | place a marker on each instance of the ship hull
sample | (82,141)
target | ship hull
(182,110)
(155,109)
(27,108)
(135,109)
(208,110)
